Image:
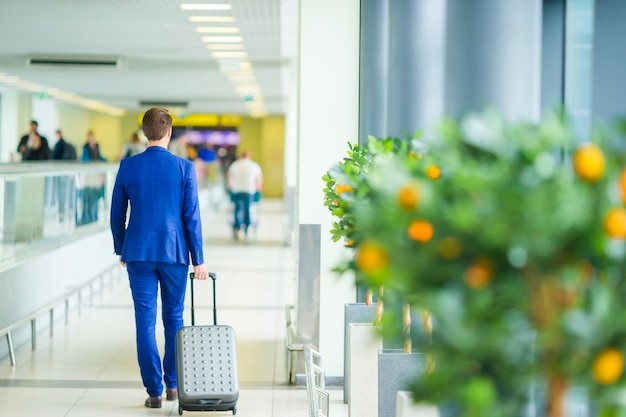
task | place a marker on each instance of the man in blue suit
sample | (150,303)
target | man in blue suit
(163,231)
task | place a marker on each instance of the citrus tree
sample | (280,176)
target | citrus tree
(345,188)
(514,238)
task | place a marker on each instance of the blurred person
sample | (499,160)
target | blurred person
(163,232)
(36,148)
(23,145)
(133,147)
(245,179)
(179,147)
(63,150)
(93,185)
(91,150)
(64,184)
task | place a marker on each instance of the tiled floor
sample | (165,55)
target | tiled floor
(89,367)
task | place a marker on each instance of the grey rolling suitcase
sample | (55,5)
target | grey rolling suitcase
(206,364)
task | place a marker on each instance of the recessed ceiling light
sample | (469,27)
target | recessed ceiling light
(223,39)
(203,29)
(224,47)
(257,114)
(201,6)
(229,54)
(236,78)
(211,19)
(248,89)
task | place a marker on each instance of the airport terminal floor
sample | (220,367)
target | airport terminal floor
(89,367)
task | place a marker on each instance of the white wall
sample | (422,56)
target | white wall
(328,119)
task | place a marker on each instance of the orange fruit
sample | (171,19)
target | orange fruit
(479,274)
(350,243)
(420,231)
(449,247)
(414,156)
(433,172)
(371,258)
(408,196)
(615,223)
(608,366)
(340,189)
(589,163)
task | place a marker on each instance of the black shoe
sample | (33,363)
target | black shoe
(171,394)
(153,402)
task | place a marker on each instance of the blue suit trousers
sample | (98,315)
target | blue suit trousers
(145,279)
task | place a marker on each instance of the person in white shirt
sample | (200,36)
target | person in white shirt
(244,180)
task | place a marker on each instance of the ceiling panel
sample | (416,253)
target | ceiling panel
(162,55)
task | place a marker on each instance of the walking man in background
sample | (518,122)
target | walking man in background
(163,231)
(245,179)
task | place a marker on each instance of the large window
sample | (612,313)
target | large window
(578,66)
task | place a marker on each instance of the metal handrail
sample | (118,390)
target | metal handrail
(32,317)
(290,344)
(317,396)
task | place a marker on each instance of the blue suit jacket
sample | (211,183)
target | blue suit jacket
(164,224)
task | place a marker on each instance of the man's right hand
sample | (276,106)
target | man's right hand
(200,272)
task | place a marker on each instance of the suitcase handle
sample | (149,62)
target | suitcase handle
(213,277)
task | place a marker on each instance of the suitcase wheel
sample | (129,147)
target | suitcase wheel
(180,410)
(234,410)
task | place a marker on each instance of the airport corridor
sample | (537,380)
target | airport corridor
(89,367)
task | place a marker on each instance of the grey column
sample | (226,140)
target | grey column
(373,69)
(494,57)
(609,66)
(308,305)
(416,65)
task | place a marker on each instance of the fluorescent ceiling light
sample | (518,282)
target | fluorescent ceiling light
(222,39)
(9,79)
(200,6)
(229,54)
(211,19)
(236,78)
(259,113)
(225,47)
(247,89)
(27,85)
(203,29)
(61,95)
(245,65)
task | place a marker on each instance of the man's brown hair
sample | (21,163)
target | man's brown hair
(156,122)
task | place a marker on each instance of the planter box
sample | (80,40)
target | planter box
(396,371)
(405,407)
(577,405)
(363,346)
(354,313)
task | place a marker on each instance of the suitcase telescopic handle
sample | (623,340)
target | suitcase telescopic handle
(213,277)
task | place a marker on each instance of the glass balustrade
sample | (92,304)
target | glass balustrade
(47,204)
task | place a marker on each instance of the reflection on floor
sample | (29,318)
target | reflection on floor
(89,368)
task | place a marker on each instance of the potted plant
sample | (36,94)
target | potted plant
(346,188)
(518,252)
